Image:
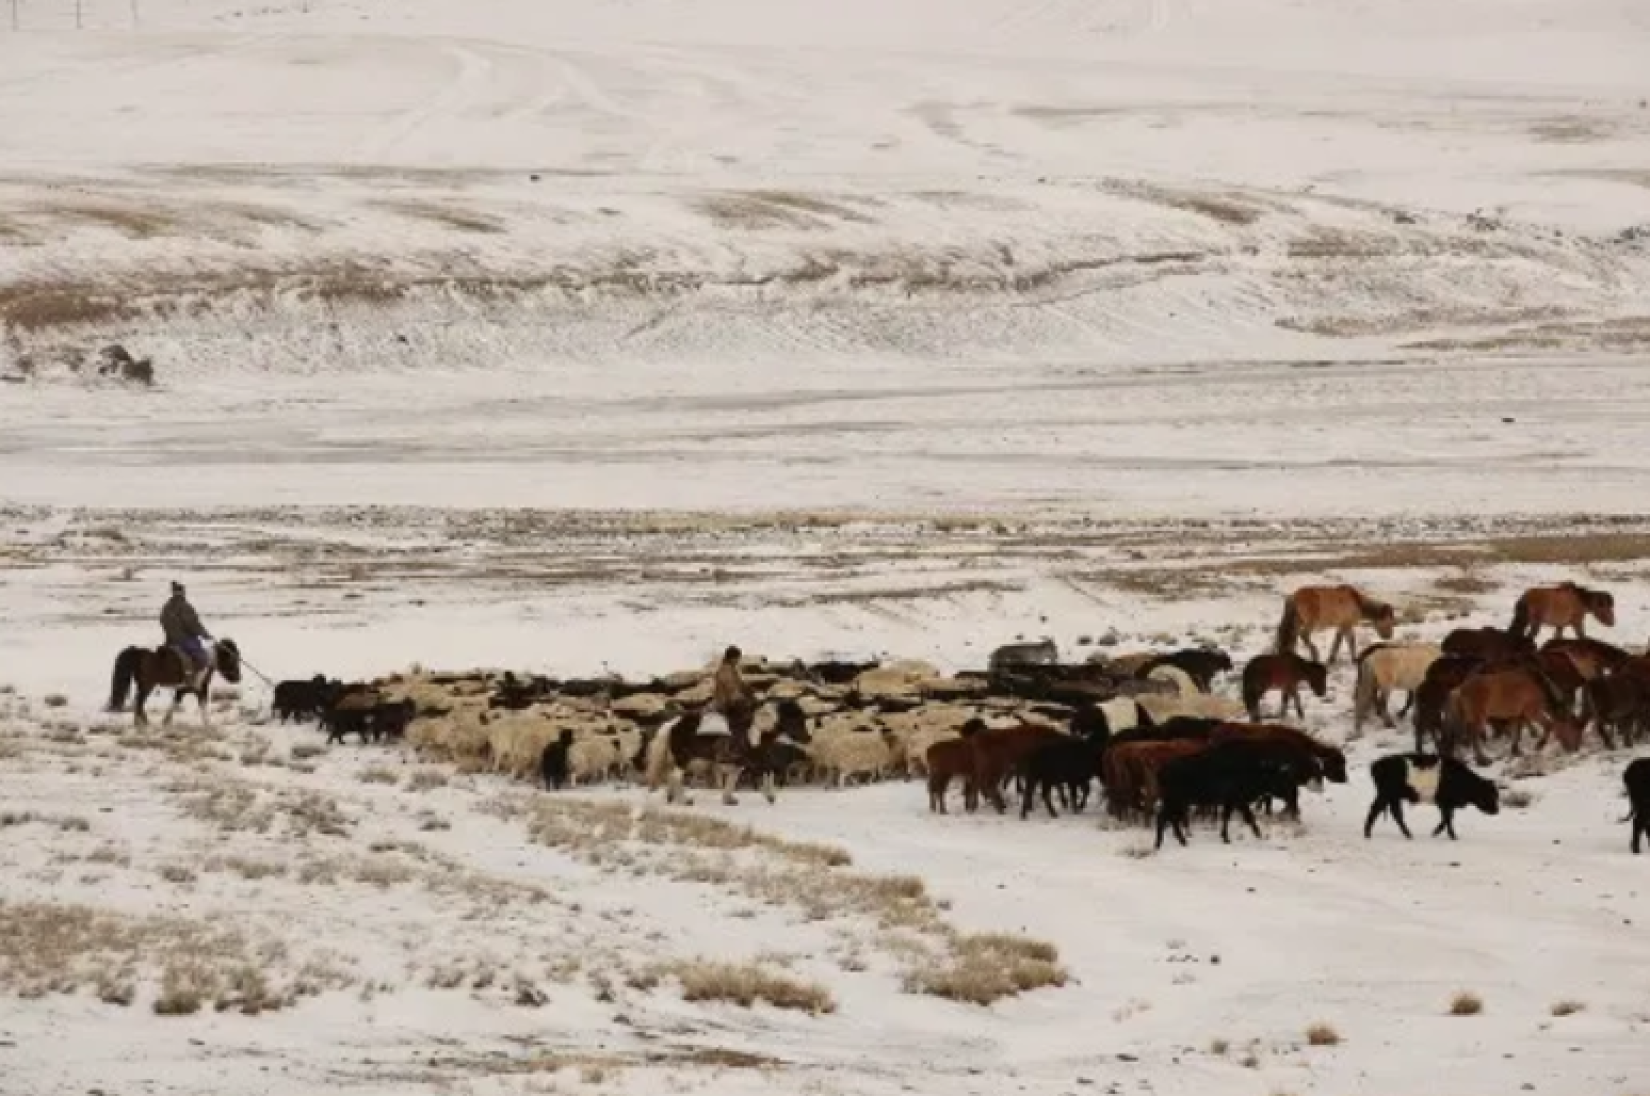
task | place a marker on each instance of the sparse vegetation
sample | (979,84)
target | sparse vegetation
(55,700)
(747,983)
(1321,1034)
(1517,798)
(1466,1003)
(1567,1007)
(1219,1047)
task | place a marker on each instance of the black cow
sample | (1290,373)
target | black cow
(1428,778)
(301,699)
(1637,778)
(391,718)
(1230,776)
(553,762)
(1070,764)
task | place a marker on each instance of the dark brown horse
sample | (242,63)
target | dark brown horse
(1284,673)
(1559,607)
(1593,658)
(1313,608)
(163,668)
(1514,697)
(731,754)
(1485,643)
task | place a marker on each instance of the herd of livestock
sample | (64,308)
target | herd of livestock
(1150,730)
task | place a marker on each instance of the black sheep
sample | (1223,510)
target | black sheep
(553,762)
(1427,778)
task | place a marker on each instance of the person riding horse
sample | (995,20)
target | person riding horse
(184,632)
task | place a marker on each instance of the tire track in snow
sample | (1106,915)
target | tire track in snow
(474,73)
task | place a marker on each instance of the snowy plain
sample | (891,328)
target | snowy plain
(574,336)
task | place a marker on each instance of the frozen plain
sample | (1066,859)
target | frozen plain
(860,328)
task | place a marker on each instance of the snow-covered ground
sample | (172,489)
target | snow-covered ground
(572,336)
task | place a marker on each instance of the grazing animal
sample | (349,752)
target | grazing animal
(1486,644)
(1129,772)
(950,759)
(151,669)
(1441,680)
(391,719)
(1284,673)
(1122,713)
(350,711)
(1637,778)
(1229,776)
(1592,657)
(553,768)
(1201,664)
(1318,759)
(1041,653)
(301,699)
(1313,608)
(1071,762)
(1515,696)
(1428,778)
(1170,674)
(1386,668)
(1618,702)
(997,753)
(1566,605)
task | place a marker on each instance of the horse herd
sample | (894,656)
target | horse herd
(1153,757)
(1478,681)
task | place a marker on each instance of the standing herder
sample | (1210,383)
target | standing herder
(730,695)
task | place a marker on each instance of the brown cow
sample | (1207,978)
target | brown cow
(997,752)
(951,758)
(1129,774)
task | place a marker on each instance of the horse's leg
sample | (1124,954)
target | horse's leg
(1311,648)
(767,785)
(206,711)
(1352,644)
(730,780)
(1479,732)
(140,718)
(177,702)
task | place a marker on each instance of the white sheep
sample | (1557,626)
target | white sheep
(841,757)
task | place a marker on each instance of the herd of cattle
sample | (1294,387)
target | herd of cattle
(1149,729)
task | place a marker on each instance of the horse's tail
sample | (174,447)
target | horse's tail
(1520,617)
(1289,626)
(659,758)
(120,686)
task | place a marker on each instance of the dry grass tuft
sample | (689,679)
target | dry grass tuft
(747,983)
(424,780)
(1466,1003)
(378,774)
(56,700)
(805,876)
(48,948)
(1321,1034)
(1219,1047)
(1517,798)
(986,968)
(1567,1008)
(66,823)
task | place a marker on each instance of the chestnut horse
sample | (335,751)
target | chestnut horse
(1559,607)
(1517,696)
(163,668)
(1313,608)
(1284,673)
